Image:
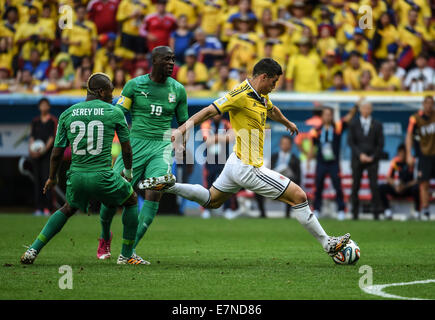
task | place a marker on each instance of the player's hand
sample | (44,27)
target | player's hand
(50,183)
(127,174)
(292,128)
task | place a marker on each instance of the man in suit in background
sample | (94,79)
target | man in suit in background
(366,139)
(286,163)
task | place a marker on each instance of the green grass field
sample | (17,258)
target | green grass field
(216,259)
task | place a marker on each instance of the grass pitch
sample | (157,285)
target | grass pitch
(216,259)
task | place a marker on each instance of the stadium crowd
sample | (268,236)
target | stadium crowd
(322,45)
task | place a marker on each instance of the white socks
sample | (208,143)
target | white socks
(193,192)
(306,218)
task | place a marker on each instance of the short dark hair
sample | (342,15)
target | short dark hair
(43,99)
(98,81)
(285,136)
(401,147)
(338,73)
(428,97)
(268,66)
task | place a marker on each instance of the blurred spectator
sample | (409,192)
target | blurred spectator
(366,140)
(358,44)
(385,39)
(326,43)
(129,16)
(419,79)
(327,139)
(82,73)
(422,125)
(105,53)
(217,134)
(329,68)
(199,69)
(365,81)
(157,27)
(192,85)
(411,38)
(266,18)
(64,64)
(399,72)
(180,39)
(211,11)
(43,128)
(6,56)
(300,20)
(24,82)
(242,47)
(103,14)
(338,82)
(189,8)
(36,67)
(33,35)
(47,19)
(279,42)
(8,26)
(81,39)
(207,48)
(224,83)
(245,13)
(354,69)
(286,163)
(119,78)
(386,81)
(404,186)
(303,71)
(421,8)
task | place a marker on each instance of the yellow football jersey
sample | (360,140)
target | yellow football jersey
(248,114)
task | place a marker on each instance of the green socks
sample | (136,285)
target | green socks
(146,217)
(106,217)
(130,221)
(53,226)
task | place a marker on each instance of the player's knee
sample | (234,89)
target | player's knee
(213,204)
(67,210)
(131,201)
(299,195)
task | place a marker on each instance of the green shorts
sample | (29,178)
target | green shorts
(151,158)
(107,187)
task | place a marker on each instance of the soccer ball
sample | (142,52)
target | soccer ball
(37,146)
(348,255)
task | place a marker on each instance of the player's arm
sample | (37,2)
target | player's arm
(123,133)
(198,118)
(408,141)
(276,115)
(349,116)
(126,98)
(55,161)
(60,143)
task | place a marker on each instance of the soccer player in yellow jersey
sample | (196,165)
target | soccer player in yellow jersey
(249,106)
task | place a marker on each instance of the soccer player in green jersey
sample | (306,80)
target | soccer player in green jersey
(89,127)
(152,100)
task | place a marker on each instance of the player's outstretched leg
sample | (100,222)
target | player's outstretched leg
(295,196)
(130,222)
(193,192)
(51,228)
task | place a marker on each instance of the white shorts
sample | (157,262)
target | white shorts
(263,181)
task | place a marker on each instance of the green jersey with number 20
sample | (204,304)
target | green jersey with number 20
(152,106)
(89,127)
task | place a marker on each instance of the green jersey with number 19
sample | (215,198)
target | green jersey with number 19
(152,106)
(89,127)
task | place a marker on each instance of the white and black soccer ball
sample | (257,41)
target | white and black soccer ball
(37,146)
(350,254)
